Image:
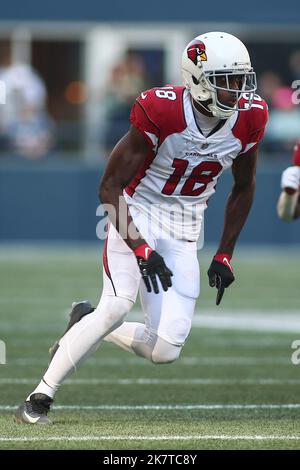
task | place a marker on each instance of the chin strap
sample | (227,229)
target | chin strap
(203,106)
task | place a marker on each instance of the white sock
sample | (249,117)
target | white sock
(43,387)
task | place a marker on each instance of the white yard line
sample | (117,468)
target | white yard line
(270,321)
(267,406)
(250,320)
(103,361)
(205,437)
(158,381)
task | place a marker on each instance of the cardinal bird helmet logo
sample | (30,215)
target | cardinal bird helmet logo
(196,52)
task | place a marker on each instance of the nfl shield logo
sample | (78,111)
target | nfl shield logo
(204,146)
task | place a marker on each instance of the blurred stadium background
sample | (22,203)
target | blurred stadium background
(71,72)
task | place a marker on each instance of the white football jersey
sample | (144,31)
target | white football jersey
(182,168)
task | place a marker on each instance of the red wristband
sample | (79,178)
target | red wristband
(296,155)
(290,190)
(143,251)
(224,258)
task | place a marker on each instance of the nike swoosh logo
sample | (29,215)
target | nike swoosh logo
(30,418)
(146,252)
(143,95)
(225,261)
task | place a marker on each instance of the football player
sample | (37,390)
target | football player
(288,206)
(163,171)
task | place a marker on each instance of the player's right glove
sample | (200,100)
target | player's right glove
(290,179)
(220,274)
(151,264)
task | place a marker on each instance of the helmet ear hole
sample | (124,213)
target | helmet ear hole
(196,82)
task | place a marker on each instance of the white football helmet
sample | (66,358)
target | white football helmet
(212,55)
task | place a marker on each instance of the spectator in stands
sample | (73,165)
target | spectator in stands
(126,81)
(284,123)
(294,63)
(269,82)
(25,124)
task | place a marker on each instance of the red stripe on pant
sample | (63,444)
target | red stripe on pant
(105,259)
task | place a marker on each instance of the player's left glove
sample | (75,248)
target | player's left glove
(151,264)
(220,274)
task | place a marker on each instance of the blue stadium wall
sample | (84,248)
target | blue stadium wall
(59,203)
(255,12)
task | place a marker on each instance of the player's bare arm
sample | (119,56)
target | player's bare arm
(125,160)
(237,209)
(297,210)
(240,200)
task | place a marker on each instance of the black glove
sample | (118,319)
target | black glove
(151,266)
(220,274)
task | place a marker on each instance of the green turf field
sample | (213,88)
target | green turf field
(234,386)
